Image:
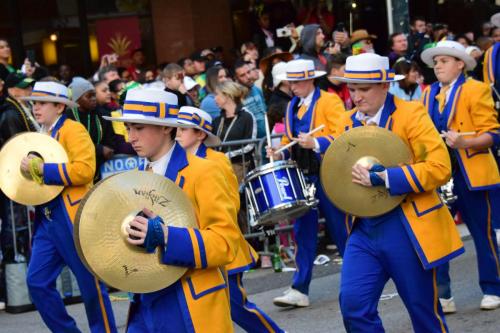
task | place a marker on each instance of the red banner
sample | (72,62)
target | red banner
(118,35)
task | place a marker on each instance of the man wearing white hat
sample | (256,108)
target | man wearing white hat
(198,302)
(195,139)
(409,242)
(53,245)
(463,111)
(309,109)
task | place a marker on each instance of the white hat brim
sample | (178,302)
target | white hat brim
(212,140)
(429,54)
(54,99)
(495,20)
(348,80)
(283,77)
(145,121)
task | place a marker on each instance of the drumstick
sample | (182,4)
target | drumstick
(268,136)
(460,133)
(319,128)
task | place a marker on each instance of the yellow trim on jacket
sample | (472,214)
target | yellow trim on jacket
(475,112)
(246,256)
(78,174)
(428,222)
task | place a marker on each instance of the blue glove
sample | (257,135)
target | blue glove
(154,236)
(375,179)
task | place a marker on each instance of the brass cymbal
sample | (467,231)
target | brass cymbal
(13,183)
(100,235)
(367,145)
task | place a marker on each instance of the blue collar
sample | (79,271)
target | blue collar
(202,151)
(450,108)
(58,126)
(307,122)
(385,118)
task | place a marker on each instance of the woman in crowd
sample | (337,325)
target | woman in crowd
(215,75)
(407,89)
(235,123)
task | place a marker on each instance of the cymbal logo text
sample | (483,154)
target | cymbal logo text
(152,196)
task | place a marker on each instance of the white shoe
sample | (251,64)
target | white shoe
(498,236)
(490,302)
(2,306)
(448,305)
(292,298)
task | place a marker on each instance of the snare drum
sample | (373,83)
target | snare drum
(277,191)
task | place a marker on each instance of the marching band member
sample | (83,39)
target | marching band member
(408,242)
(53,245)
(199,301)
(459,105)
(310,108)
(195,141)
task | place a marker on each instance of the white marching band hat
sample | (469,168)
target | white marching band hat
(50,92)
(448,48)
(149,107)
(196,118)
(495,20)
(368,68)
(300,70)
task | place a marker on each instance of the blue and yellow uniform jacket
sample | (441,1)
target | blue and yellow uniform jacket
(202,291)
(246,256)
(427,220)
(469,109)
(325,108)
(77,175)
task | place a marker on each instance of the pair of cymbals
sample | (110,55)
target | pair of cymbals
(100,230)
(366,145)
(17,186)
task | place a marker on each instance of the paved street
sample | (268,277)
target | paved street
(323,315)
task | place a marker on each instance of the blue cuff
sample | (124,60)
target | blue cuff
(375,179)
(51,175)
(154,236)
(398,181)
(179,248)
(324,143)
(496,138)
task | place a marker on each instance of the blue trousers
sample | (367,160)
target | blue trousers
(246,314)
(53,248)
(306,236)
(476,208)
(163,315)
(377,250)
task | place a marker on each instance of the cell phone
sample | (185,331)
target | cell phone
(340,27)
(30,54)
(284,32)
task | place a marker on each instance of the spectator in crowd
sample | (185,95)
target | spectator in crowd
(137,69)
(173,77)
(280,96)
(418,38)
(65,74)
(486,29)
(192,90)
(312,40)
(108,73)
(271,58)
(495,34)
(200,67)
(103,97)
(99,129)
(124,74)
(484,43)
(464,40)
(362,42)
(335,68)
(115,88)
(5,54)
(407,89)
(264,36)
(256,75)
(254,101)
(15,117)
(398,45)
(317,13)
(236,123)
(215,75)
(188,66)
(439,31)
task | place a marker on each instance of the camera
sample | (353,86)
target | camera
(284,32)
